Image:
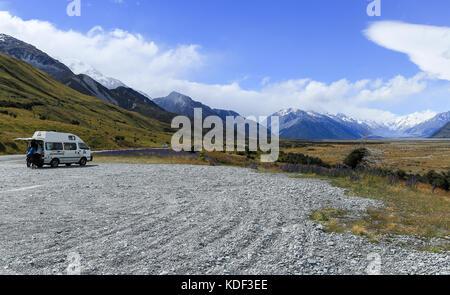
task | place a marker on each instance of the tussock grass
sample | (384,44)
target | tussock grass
(408,211)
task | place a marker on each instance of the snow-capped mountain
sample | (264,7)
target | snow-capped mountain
(79,67)
(409,121)
(295,123)
(429,127)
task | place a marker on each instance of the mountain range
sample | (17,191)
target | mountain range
(294,123)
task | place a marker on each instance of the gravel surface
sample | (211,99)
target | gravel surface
(169,219)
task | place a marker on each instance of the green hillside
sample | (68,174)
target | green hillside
(31,100)
(444,132)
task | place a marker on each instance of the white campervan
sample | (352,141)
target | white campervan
(60,148)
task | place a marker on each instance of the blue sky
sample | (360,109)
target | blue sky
(262,43)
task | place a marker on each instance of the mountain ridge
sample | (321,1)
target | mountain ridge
(181,104)
(31,100)
(127,98)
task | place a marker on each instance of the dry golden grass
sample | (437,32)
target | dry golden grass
(414,156)
(150,160)
(207,158)
(407,211)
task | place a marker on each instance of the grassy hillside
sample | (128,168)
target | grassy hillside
(444,132)
(31,100)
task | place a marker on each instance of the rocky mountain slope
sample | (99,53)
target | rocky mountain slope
(30,54)
(443,133)
(32,100)
(123,97)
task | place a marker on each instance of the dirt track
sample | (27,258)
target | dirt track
(165,219)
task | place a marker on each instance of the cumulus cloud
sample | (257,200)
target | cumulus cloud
(427,46)
(117,52)
(157,70)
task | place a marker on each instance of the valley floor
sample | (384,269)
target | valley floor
(181,219)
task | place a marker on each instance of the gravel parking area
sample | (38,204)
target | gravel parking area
(173,219)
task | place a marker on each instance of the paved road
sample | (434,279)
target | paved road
(13,158)
(167,219)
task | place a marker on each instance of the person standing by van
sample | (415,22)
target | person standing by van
(30,153)
(34,154)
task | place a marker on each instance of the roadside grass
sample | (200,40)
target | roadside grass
(407,211)
(149,160)
(204,158)
(330,217)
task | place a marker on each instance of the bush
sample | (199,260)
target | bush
(401,174)
(356,157)
(2,147)
(75,122)
(301,159)
(441,181)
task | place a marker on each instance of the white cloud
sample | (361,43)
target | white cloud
(117,53)
(146,66)
(427,46)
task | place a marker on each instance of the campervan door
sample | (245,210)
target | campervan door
(71,153)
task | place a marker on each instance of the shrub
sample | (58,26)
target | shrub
(356,157)
(301,159)
(401,174)
(438,180)
(2,147)
(75,122)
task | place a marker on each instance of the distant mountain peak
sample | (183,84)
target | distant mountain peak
(79,67)
(181,104)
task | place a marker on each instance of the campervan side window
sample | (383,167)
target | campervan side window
(53,146)
(70,146)
(71,137)
(83,146)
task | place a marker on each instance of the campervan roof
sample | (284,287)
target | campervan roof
(55,136)
(51,136)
